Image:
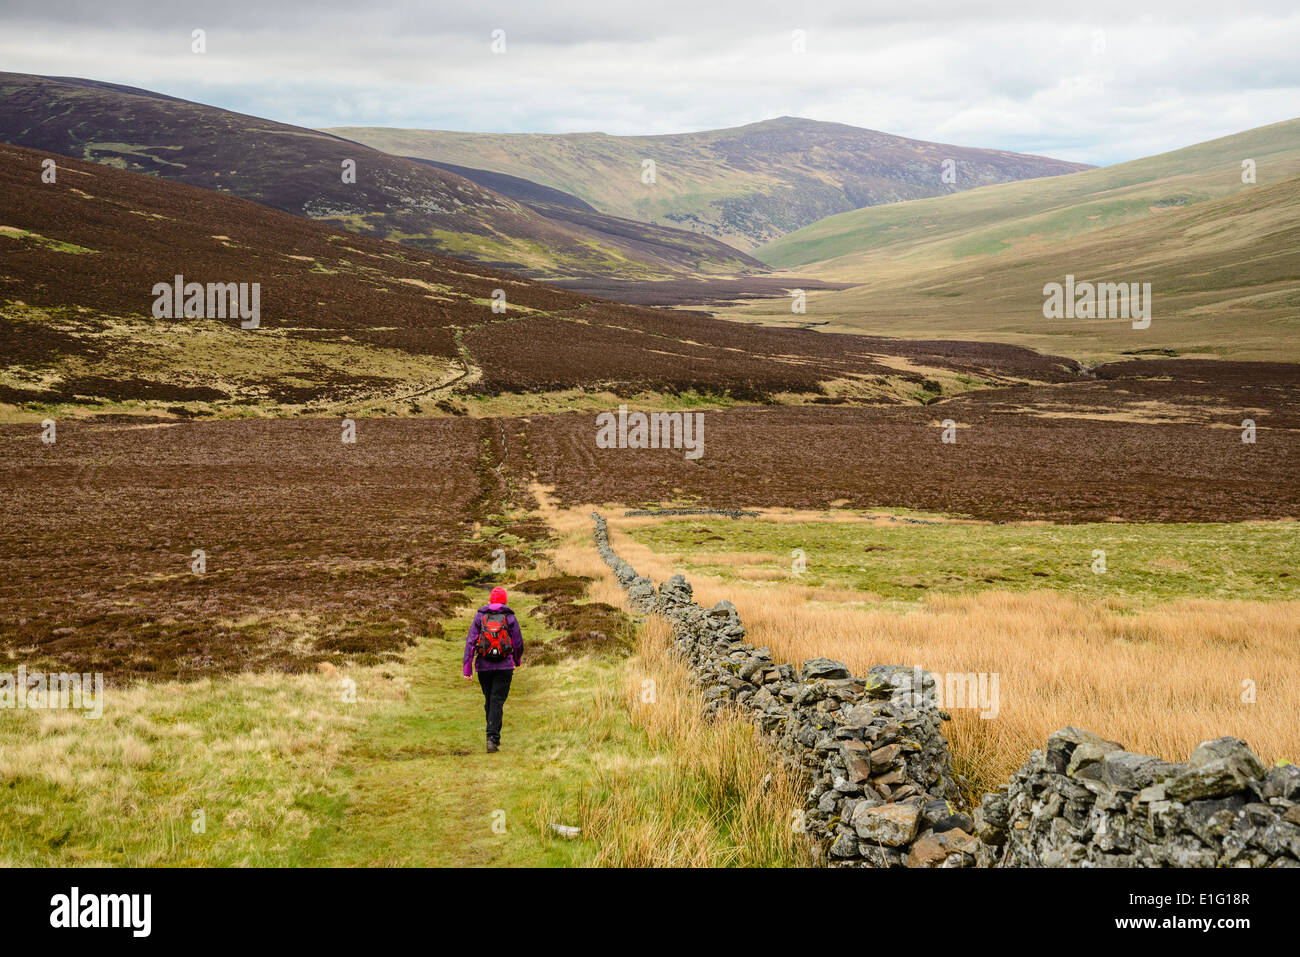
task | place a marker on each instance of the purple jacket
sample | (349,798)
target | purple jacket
(516,642)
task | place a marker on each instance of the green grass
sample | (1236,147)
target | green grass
(904,562)
(288,773)
(56,245)
(253,754)
(423,792)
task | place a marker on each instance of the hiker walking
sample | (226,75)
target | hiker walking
(494,648)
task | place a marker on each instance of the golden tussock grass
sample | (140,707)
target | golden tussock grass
(1158,679)
(715,796)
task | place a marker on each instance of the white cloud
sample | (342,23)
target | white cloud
(1012,76)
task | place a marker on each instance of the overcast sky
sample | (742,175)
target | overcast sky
(1102,83)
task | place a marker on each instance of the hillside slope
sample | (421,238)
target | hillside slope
(677,252)
(745,186)
(997,218)
(351,323)
(301,171)
(1222,257)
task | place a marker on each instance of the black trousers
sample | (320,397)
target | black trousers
(496,686)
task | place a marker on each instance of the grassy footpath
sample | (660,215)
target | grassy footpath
(424,793)
(649,783)
(286,771)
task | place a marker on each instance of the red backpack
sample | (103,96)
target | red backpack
(493,637)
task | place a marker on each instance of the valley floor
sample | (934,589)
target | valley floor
(215,572)
(300,700)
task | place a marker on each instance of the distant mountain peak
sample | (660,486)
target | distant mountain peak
(744,185)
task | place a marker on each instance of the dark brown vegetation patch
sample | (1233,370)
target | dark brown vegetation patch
(588,627)
(1087,451)
(315,550)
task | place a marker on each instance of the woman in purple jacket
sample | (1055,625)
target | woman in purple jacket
(495,667)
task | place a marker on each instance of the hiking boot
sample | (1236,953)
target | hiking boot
(492,746)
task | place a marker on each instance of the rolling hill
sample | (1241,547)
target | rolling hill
(674,252)
(997,218)
(301,171)
(745,186)
(350,323)
(1222,256)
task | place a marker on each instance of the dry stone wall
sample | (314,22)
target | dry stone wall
(881,790)
(684,512)
(1086,802)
